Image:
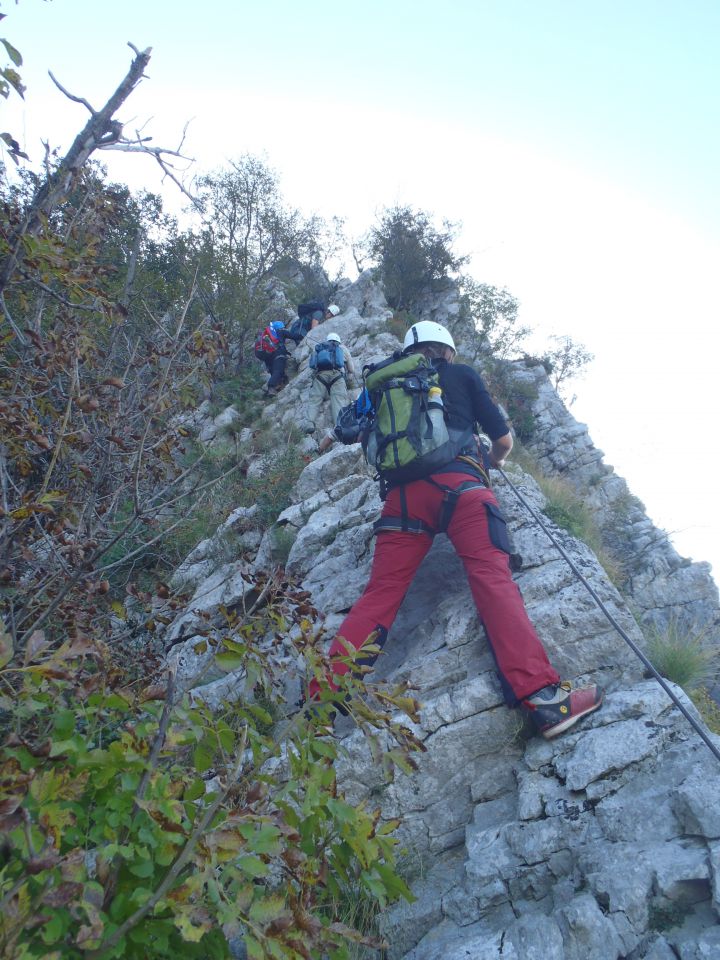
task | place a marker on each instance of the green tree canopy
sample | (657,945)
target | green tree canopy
(494,314)
(248,232)
(412,254)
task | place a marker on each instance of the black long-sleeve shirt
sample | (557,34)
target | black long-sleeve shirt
(467,401)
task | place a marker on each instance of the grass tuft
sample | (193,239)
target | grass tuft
(568,510)
(681,654)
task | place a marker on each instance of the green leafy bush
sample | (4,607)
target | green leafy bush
(494,316)
(516,394)
(137,824)
(283,540)
(243,391)
(566,361)
(665,914)
(271,492)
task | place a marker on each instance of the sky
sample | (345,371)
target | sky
(575,142)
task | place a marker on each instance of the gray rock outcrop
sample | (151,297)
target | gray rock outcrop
(661,585)
(604,844)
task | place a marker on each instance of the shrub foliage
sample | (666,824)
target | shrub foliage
(141,823)
(136,820)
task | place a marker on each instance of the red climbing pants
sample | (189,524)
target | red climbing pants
(477,532)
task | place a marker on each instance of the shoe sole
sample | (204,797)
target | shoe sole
(558,728)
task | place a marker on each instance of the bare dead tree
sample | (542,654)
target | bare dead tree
(101,132)
(161,155)
(358,255)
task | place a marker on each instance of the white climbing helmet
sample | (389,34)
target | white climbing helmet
(334,337)
(427,331)
(333,309)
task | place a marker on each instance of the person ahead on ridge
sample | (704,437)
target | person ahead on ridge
(276,360)
(332,367)
(414,511)
(314,310)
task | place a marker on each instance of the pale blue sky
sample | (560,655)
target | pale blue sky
(577,142)
(626,87)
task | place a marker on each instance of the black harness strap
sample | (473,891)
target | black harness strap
(404,516)
(450,498)
(397,524)
(331,383)
(404,524)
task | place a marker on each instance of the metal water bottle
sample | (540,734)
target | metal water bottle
(437,432)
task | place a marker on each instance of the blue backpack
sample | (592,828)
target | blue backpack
(327,355)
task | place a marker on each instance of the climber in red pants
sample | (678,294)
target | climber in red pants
(456,499)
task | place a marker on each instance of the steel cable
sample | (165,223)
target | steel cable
(630,642)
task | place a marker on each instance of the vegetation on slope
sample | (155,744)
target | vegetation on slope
(135,821)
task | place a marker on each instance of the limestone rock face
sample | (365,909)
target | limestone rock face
(600,845)
(366,296)
(662,585)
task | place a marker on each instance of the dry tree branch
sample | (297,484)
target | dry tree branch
(8,316)
(57,186)
(71,96)
(55,295)
(153,409)
(93,571)
(63,429)
(161,155)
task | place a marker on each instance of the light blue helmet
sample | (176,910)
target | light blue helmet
(277,325)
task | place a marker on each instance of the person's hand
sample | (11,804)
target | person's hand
(499,449)
(326,442)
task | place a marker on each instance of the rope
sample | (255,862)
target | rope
(631,643)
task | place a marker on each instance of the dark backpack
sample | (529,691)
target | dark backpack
(266,343)
(327,355)
(354,420)
(308,309)
(408,437)
(300,327)
(306,312)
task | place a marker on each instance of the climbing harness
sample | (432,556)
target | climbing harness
(329,385)
(405,524)
(633,646)
(450,498)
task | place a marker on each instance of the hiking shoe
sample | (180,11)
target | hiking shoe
(557,707)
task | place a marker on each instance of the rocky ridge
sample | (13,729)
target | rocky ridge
(601,845)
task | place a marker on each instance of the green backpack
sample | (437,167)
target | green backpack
(408,437)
